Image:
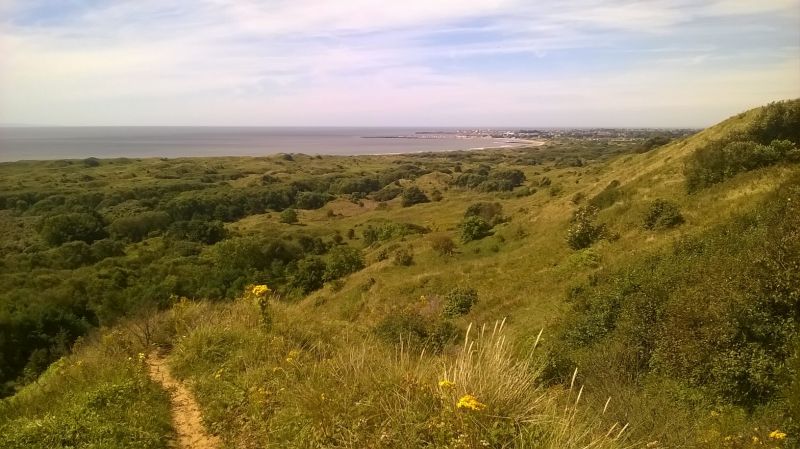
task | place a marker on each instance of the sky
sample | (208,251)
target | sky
(490,63)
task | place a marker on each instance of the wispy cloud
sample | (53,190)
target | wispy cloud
(416,62)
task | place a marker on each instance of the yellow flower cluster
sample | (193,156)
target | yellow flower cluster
(260,290)
(777,435)
(470,402)
(446,383)
(293,354)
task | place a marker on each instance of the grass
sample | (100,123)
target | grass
(98,397)
(297,386)
(321,377)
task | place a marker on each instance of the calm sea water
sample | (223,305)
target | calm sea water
(24,143)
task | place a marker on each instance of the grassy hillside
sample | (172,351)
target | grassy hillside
(665,280)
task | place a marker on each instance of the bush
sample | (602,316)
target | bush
(443,245)
(653,142)
(411,328)
(716,313)
(403,257)
(137,227)
(489,212)
(309,275)
(289,216)
(662,214)
(512,178)
(583,231)
(459,301)
(208,232)
(59,229)
(722,160)
(474,228)
(413,195)
(72,255)
(343,260)
(387,193)
(311,200)
(389,230)
(607,197)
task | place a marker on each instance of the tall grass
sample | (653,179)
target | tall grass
(314,383)
(98,397)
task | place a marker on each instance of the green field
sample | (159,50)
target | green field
(649,297)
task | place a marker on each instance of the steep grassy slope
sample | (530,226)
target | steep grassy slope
(688,325)
(98,397)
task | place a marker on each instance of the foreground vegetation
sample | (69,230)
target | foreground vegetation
(665,272)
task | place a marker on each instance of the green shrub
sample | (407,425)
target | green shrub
(489,212)
(402,325)
(91,162)
(390,230)
(387,193)
(403,257)
(137,227)
(289,216)
(413,195)
(208,232)
(459,301)
(443,245)
(474,228)
(312,200)
(68,227)
(653,142)
(411,328)
(607,197)
(662,214)
(342,261)
(309,275)
(583,231)
(722,160)
(715,313)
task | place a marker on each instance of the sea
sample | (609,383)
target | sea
(32,143)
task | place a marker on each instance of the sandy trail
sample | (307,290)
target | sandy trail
(186,416)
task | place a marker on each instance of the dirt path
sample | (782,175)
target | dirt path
(186,416)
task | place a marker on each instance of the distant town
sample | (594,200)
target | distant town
(577,133)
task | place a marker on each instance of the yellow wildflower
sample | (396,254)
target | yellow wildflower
(260,290)
(444,383)
(293,354)
(777,435)
(470,402)
(756,440)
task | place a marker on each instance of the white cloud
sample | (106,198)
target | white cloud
(360,61)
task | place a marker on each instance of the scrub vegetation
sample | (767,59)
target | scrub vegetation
(583,293)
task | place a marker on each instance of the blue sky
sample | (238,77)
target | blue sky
(409,63)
